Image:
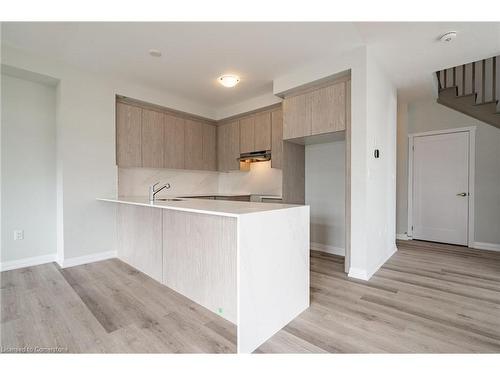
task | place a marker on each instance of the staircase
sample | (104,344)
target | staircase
(473,89)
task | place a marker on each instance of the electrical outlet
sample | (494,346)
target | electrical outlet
(18,235)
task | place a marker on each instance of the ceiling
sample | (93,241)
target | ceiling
(195,54)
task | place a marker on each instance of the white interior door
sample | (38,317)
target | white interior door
(441,187)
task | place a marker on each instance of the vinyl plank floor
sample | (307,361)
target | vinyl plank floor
(105,307)
(428,298)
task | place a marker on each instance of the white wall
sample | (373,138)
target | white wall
(381,173)
(28,168)
(261,179)
(325,194)
(402,170)
(427,115)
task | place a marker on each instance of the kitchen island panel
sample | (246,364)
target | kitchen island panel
(273,273)
(139,238)
(199,259)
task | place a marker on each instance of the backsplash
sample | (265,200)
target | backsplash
(261,179)
(133,182)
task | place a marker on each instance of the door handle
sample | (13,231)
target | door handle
(462,194)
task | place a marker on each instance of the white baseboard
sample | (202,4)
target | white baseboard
(27,262)
(358,273)
(76,261)
(327,249)
(403,237)
(486,246)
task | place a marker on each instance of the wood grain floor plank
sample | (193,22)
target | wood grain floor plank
(428,298)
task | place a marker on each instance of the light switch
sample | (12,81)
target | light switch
(18,235)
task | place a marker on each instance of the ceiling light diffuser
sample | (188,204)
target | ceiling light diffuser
(155,52)
(229,80)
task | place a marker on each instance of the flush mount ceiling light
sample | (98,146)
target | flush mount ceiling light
(155,52)
(228,80)
(448,37)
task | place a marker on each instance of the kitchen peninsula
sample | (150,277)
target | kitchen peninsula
(246,261)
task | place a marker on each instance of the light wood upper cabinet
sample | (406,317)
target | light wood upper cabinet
(328,109)
(297,116)
(262,131)
(316,112)
(128,135)
(209,147)
(247,134)
(193,148)
(233,143)
(153,124)
(222,151)
(277,139)
(173,142)
(228,146)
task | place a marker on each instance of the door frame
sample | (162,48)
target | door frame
(472,163)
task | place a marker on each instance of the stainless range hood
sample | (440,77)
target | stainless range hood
(256,156)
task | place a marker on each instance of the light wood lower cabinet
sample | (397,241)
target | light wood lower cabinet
(139,238)
(152,144)
(128,135)
(193,148)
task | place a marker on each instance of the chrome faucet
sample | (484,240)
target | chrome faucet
(153,191)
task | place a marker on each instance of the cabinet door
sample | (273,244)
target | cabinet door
(262,131)
(277,139)
(328,109)
(222,147)
(128,135)
(247,134)
(233,146)
(153,124)
(297,116)
(193,149)
(209,147)
(228,147)
(174,142)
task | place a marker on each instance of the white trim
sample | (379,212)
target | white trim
(486,246)
(472,165)
(76,261)
(327,248)
(403,237)
(358,273)
(27,262)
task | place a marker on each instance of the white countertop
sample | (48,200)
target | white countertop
(206,206)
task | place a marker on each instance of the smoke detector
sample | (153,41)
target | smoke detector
(448,37)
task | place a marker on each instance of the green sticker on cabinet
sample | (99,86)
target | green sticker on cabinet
(220,310)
